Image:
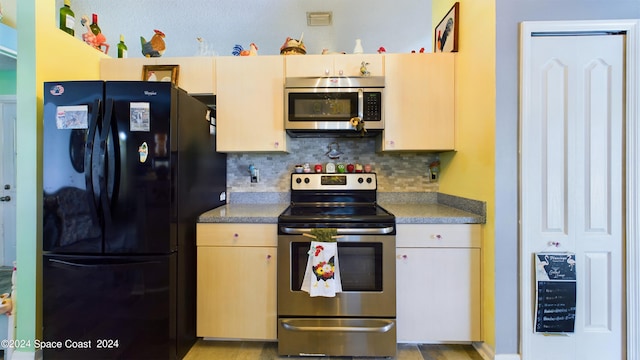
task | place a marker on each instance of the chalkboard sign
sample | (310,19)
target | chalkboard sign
(556,292)
(556,306)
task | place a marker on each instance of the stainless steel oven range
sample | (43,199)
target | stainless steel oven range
(360,320)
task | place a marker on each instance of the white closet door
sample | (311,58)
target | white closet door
(572,182)
(7,180)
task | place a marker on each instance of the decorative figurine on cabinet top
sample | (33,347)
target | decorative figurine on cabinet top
(238,50)
(363,69)
(204,49)
(96,40)
(293,47)
(154,47)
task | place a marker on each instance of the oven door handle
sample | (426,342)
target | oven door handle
(341,231)
(385,326)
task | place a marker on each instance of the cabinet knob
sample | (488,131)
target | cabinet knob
(436,236)
(276,144)
(402,257)
(235,236)
(326,71)
(340,72)
(268,256)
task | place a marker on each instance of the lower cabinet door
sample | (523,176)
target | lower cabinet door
(236,293)
(438,294)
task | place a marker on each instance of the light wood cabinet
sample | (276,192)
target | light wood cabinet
(333,65)
(250,104)
(438,283)
(196,75)
(236,281)
(124,69)
(419,102)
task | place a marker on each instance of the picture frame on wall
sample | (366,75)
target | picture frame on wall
(167,73)
(445,35)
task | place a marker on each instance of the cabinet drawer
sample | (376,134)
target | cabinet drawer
(439,235)
(236,234)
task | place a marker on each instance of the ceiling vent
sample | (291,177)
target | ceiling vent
(319,18)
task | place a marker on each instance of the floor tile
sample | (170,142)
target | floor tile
(252,350)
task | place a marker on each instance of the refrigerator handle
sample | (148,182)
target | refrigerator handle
(104,171)
(93,265)
(88,159)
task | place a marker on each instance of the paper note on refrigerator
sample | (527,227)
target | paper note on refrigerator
(72,117)
(139,116)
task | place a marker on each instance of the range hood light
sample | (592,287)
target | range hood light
(319,18)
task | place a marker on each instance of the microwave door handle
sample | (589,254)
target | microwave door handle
(360,104)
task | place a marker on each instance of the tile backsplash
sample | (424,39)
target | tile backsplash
(397,172)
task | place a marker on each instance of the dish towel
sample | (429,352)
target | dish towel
(322,274)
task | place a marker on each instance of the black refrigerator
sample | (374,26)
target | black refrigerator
(127,169)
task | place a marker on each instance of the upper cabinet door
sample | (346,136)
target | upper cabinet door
(124,69)
(350,64)
(333,65)
(196,75)
(419,102)
(250,104)
(308,65)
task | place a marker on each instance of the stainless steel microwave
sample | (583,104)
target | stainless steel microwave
(330,103)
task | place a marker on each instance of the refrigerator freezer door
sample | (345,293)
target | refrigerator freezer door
(121,307)
(72,112)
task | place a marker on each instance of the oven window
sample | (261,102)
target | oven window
(360,265)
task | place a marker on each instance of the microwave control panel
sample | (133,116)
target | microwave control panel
(372,107)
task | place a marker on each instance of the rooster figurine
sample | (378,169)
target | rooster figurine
(155,47)
(239,51)
(96,40)
(442,39)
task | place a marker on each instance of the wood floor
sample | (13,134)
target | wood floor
(244,350)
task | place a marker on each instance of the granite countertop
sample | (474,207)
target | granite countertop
(431,214)
(244,213)
(434,208)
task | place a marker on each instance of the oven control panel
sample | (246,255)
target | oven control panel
(349,181)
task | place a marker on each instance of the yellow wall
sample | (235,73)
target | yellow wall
(469,172)
(44,54)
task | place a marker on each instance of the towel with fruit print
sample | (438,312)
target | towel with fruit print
(322,275)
